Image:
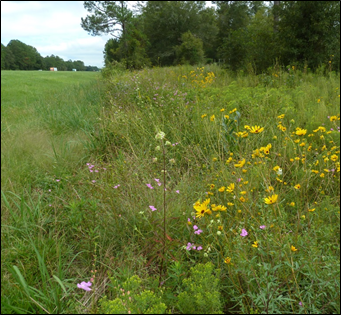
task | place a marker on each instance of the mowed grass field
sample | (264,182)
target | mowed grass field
(180,190)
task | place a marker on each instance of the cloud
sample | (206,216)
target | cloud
(52,27)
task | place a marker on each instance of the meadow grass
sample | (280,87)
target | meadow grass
(164,178)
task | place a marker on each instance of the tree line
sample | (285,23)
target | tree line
(19,56)
(242,35)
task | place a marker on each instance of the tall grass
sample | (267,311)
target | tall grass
(97,203)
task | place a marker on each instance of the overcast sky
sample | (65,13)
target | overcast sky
(52,27)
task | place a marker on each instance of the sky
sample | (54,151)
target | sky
(52,27)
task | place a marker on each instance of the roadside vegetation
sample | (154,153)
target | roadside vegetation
(181,189)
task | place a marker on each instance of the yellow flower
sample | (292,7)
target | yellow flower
(322,175)
(222,109)
(220,227)
(232,111)
(230,188)
(228,160)
(212,118)
(315,171)
(281,116)
(203,116)
(271,199)
(256,129)
(226,116)
(202,208)
(334,157)
(300,132)
(311,210)
(333,118)
(255,244)
(293,248)
(222,189)
(240,163)
(243,192)
(292,204)
(227,260)
(230,204)
(298,186)
(270,189)
(242,199)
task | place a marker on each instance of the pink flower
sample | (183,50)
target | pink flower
(177,191)
(244,233)
(199,248)
(189,246)
(57,180)
(150,186)
(262,227)
(84,285)
(153,208)
(195,227)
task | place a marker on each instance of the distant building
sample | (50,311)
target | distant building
(53,69)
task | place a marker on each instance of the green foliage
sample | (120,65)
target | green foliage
(98,140)
(201,291)
(106,17)
(25,57)
(309,32)
(190,51)
(131,299)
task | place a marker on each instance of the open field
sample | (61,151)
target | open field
(195,190)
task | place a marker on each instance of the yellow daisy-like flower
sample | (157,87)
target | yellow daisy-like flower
(292,204)
(212,186)
(271,199)
(232,111)
(242,199)
(227,260)
(281,116)
(298,186)
(300,132)
(255,244)
(311,210)
(240,163)
(230,188)
(293,248)
(270,189)
(203,116)
(202,208)
(334,157)
(220,227)
(223,109)
(226,116)
(333,118)
(256,129)
(212,118)
(229,160)
(230,204)
(222,189)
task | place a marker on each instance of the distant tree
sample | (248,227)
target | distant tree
(25,57)
(309,31)
(7,58)
(190,51)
